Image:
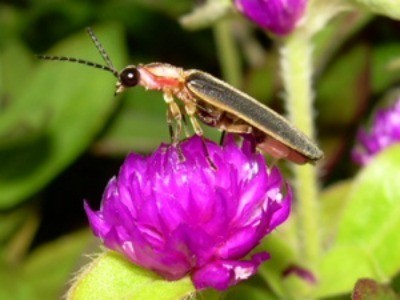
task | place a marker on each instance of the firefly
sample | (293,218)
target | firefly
(212,101)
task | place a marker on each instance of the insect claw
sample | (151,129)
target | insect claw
(208,157)
(181,156)
(211,163)
(222,138)
(171,134)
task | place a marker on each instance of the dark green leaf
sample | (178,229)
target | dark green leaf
(48,270)
(12,221)
(70,103)
(336,33)
(343,83)
(45,272)
(141,110)
(385,72)
(248,292)
(141,125)
(16,64)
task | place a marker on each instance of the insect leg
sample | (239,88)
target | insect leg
(235,127)
(185,126)
(176,115)
(190,111)
(169,122)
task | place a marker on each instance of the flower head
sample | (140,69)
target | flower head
(182,216)
(278,16)
(385,131)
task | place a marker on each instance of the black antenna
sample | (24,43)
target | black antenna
(109,67)
(100,48)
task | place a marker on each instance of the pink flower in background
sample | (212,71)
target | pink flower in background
(277,16)
(183,217)
(385,131)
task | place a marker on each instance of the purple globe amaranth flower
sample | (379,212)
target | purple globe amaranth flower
(277,16)
(182,216)
(385,131)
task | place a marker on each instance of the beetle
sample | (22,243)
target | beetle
(214,102)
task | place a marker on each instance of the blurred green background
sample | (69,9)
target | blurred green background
(63,134)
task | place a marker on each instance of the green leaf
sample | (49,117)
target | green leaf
(249,292)
(329,41)
(396,283)
(347,86)
(17,245)
(387,8)
(141,109)
(261,82)
(110,276)
(281,246)
(341,267)
(9,289)
(46,271)
(210,294)
(11,222)
(367,243)
(333,201)
(205,15)
(173,8)
(16,66)
(385,68)
(69,104)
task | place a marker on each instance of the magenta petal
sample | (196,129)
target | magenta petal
(283,211)
(384,132)
(183,217)
(223,274)
(278,16)
(98,225)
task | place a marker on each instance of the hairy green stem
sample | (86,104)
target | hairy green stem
(227,53)
(296,64)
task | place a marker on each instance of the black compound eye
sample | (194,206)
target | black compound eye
(129,77)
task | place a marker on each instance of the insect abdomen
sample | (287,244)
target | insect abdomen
(223,96)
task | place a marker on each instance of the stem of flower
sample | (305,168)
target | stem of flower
(227,52)
(296,64)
